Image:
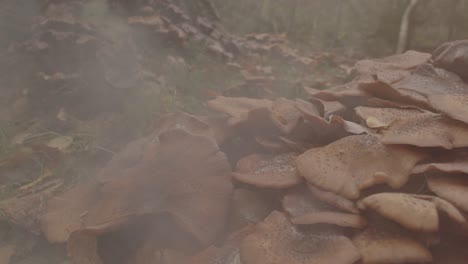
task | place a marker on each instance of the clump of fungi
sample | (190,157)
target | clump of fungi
(374,171)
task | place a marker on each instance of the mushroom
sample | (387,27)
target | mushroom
(452,188)
(276,241)
(411,212)
(334,218)
(305,209)
(196,125)
(426,80)
(384,116)
(285,115)
(300,201)
(193,187)
(447,167)
(249,207)
(427,130)
(65,212)
(334,199)
(393,68)
(388,92)
(354,163)
(383,242)
(268,171)
(347,94)
(238,108)
(228,253)
(453,57)
(272,145)
(453,105)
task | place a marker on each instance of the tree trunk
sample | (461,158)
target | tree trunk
(404,27)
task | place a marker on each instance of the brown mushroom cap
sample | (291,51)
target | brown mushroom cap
(249,207)
(453,189)
(449,167)
(334,218)
(276,241)
(393,68)
(427,130)
(305,209)
(334,199)
(388,92)
(347,94)
(385,116)
(285,115)
(197,125)
(228,253)
(445,207)
(453,105)
(300,201)
(387,243)
(309,110)
(191,186)
(407,210)
(268,171)
(64,212)
(353,163)
(238,108)
(453,57)
(427,80)
(272,145)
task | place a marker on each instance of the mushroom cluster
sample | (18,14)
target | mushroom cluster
(374,171)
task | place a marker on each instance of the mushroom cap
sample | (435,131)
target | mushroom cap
(334,218)
(249,207)
(453,105)
(445,207)
(388,92)
(308,109)
(393,68)
(427,130)
(452,188)
(127,157)
(453,56)
(191,186)
(268,171)
(334,199)
(384,116)
(305,209)
(387,243)
(272,145)
(347,94)
(448,167)
(65,211)
(300,201)
(197,125)
(354,163)
(238,108)
(227,253)
(276,241)
(285,115)
(427,80)
(405,209)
